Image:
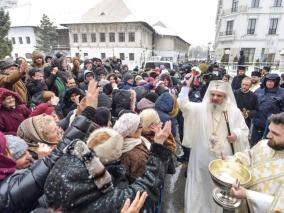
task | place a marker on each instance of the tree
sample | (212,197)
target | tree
(5,44)
(47,35)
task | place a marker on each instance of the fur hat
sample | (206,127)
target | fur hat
(127,124)
(107,143)
(6,63)
(149,117)
(17,146)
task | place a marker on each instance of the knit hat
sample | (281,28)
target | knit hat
(152,96)
(127,124)
(256,73)
(127,76)
(107,89)
(107,143)
(43,108)
(104,101)
(17,146)
(32,131)
(102,116)
(149,117)
(144,103)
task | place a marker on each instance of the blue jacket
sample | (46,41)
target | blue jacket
(125,86)
(165,105)
(271,101)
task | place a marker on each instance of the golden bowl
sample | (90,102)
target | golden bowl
(227,172)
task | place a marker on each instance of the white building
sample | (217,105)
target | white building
(254,26)
(5,4)
(109,29)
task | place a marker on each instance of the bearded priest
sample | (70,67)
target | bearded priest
(211,128)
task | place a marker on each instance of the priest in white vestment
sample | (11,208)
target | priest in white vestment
(265,161)
(206,133)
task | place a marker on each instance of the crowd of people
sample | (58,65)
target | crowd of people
(92,136)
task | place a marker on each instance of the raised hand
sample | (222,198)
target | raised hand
(136,205)
(92,94)
(161,135)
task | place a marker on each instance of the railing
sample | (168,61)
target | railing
(240,9)
(227,33)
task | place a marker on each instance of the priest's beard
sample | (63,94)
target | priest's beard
(273,145)
(217,107)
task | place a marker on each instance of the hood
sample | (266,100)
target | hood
(167,103)
(87,72)
(271,76)
(5,92)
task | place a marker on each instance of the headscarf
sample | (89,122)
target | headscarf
(7,165)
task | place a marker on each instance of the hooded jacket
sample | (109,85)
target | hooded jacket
(270,101)
(10,119)
(20,192)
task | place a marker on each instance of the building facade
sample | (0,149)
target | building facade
(254,26)
(6,4)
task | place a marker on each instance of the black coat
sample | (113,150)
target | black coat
(247,101)
(79,193)
(20,192)
(35,87)
(237,82)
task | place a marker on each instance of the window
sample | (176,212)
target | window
(277,3)
(86,54)
(13,40)
(273,26)
(121,37)
(255,3)
(131,56)
(249,54)
(93,37)
(235,6)
(20,40)
(102,37)
(103,55)
(251,26)
(111,37)
(28,40)
(77,54)
(84,38)
(121,56)
(230,26)
(75,38)
(131,37)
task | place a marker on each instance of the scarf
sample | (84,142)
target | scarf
(131,143)
(60,87)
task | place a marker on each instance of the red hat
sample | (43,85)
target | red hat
(43,108)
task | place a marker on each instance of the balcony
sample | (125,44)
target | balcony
(235,10)
(227,36)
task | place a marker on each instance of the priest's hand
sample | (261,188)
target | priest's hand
(232,137)
(238,192)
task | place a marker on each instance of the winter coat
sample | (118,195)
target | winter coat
(20,192)
(135,161)
(50,80)
(247,101)
(270,101)
(237,81)
(10,119)
(84,85)
(167,108)
(35,86)
(79,193)
(125,86)
(14,83)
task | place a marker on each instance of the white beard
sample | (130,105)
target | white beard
(219,108)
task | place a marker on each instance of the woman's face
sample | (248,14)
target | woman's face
(111,79)
(54,133)
(166,82)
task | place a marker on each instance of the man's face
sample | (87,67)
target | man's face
(9,102)
(242,72)
(38,76)
(74,98)
(24,161)
(255,79)
(11,70)
(71,83)
(89,77)
(89,66)
(276,136)
(217,97)
(270,84)
(49,61)
(246,84)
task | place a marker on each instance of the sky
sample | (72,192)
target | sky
(192,20)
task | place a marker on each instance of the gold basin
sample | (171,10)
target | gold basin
(227,172)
